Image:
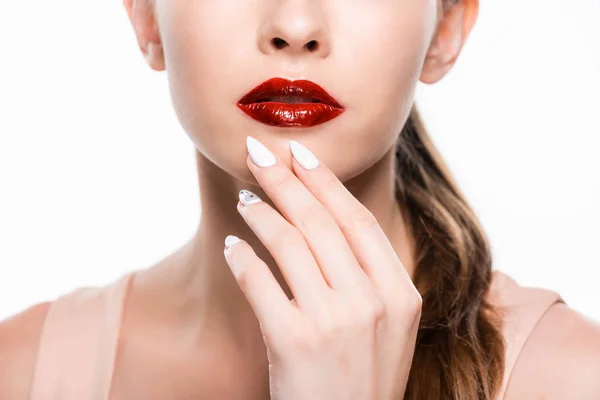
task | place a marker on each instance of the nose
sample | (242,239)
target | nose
(295,27)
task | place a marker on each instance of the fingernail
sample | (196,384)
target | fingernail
(247,197)
(259,153)
(230,240)
(304,156)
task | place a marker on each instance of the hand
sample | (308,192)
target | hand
(350,331)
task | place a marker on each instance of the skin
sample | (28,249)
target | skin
(190,329)
(350,330)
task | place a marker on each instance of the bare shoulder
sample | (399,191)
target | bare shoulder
(19,339)
(560,360)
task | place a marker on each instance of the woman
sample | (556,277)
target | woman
(377,288)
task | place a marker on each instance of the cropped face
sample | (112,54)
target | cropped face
(368,55)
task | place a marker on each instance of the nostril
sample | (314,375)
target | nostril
(312,45)
(278,42)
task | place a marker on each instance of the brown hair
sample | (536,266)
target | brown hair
(459,351)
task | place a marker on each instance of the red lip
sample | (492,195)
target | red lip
(320,107)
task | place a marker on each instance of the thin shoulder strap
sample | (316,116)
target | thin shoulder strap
(523,307)
(78,343)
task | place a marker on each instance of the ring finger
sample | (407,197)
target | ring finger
(288,248)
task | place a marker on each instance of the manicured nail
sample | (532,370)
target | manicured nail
(259,153)
(230,240)
(247,197)
(304,156)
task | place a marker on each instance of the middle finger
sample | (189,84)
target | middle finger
(299,206)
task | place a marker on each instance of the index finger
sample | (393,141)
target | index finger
(371,246)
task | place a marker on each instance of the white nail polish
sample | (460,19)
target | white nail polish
(230,240)
(247,197)
(259,153)
(303,155)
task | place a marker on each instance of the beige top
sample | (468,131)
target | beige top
(79,338)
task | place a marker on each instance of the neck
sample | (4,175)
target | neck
(207,291)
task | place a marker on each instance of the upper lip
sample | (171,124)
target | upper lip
(281,87)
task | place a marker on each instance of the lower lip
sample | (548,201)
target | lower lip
(302,115)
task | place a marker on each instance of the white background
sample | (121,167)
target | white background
(97,177)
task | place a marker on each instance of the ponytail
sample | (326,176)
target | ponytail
(459,351)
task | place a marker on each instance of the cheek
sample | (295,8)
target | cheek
(198,51)
(388,53)
(382,55)
(205,48)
